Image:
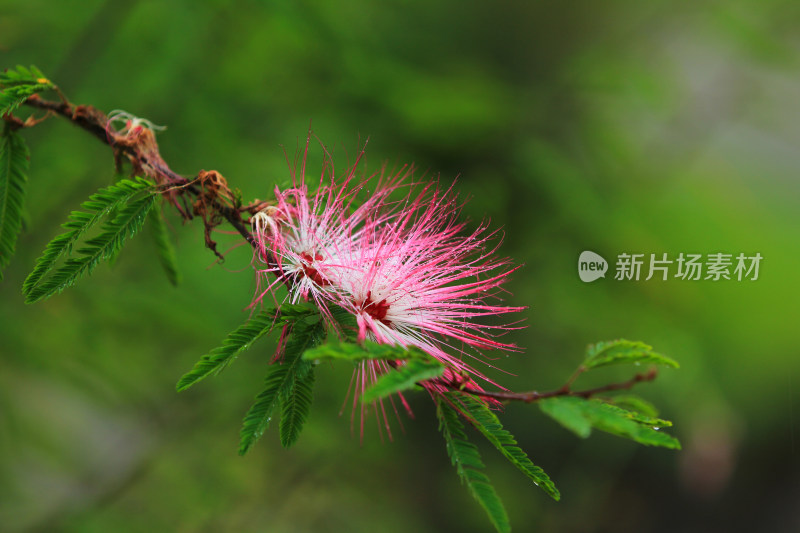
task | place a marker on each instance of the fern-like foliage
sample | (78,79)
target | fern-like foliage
(291,313)
(22,76)
(280,380)
(489,425)
(351,351)
(106,245)
(296,404)
(402,378)
(13,179)
(344,322)
(235,343)
(634,403)
(465,457)
(636,416)
(623,351)
(99,205)
(16,85)
(166,251)
(580,415)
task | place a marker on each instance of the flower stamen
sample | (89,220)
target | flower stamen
(308,269)
(377,310)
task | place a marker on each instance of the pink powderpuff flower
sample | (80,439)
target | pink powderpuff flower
(306,231)
(404,268)
(416,278)
(303,236)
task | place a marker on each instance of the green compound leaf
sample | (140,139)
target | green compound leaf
(580,415)
(345,322)
(103,203)
(402,378)
(638,417)
(489,425)
(16,85)
(235,343)
(105,246)
(289,313)
(632,402)
(166,251)
(22,76)
(296,405)
(465,457)
(13,180)
(368,350)
(624,352)
(280,380)
(569,413)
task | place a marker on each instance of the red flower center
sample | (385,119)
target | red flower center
(376,310)
(310,271)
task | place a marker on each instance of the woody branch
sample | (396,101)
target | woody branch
(213,200)
(566,390)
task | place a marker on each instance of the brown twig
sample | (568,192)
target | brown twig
(213,200)
(534,396)
(95,122)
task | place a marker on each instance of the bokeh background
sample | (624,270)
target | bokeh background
(619,126)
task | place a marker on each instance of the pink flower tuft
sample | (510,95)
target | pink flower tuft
(415,278)
(398,260)
(305,233)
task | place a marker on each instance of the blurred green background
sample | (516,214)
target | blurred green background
(619,126)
